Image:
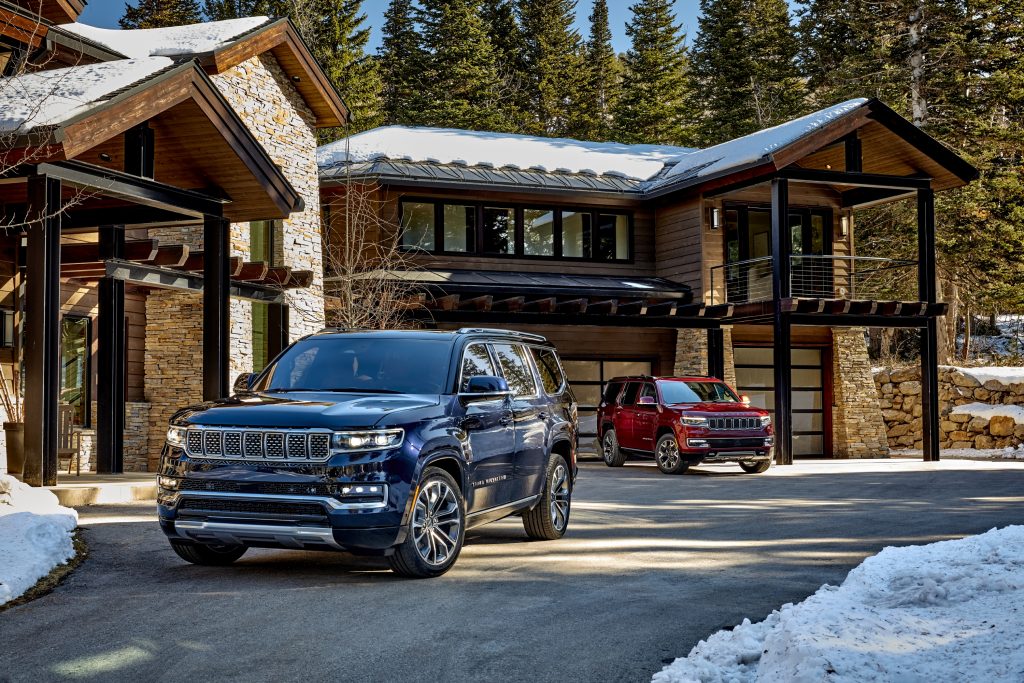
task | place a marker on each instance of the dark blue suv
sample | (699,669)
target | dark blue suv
(390,443)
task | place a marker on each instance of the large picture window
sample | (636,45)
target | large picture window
(76,366)
(526,232)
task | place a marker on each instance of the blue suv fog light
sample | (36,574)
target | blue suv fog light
(167,482)
(362,493)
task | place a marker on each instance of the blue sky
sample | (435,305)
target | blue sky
(106,13)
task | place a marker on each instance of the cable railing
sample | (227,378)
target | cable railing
(816,277)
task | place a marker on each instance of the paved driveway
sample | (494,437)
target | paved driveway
(651,565)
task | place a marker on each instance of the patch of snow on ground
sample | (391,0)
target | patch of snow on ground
(948,611)
(35,535)
(751,148)
(1005,375)
(50,97)
(987,411)
(169,41)
(497,150)
(1007,453)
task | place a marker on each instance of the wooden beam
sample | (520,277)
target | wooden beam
(514,303)
(301,278)
(817,176)
(655,308)
(252,271)
(446,303)
(134,250)
(278,275)
(544,305)
(571,306)
(477,303)
(634,307)
(606,307)
(170,256)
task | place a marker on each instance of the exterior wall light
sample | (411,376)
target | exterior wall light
(844,225)
(715,218)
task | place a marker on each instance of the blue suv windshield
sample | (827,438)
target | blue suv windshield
(361,364)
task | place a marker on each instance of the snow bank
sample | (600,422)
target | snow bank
(35,535)
(50,97)
(949,611)
(751,148)
(1004,375)
(987,411)
(480,148)
(170,41)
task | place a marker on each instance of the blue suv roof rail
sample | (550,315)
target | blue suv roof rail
(508,333)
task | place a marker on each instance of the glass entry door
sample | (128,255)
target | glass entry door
(76,366)
(588,376)
(812,427)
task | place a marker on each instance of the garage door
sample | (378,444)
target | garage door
(755,378)
(587,376)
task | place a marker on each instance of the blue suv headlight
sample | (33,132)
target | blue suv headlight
(367,440)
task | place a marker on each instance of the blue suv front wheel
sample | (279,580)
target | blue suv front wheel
(435,530)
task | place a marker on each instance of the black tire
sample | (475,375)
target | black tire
(756,466)
(549,520)
(208,555)
(436,528)
(666,454)
(610,451)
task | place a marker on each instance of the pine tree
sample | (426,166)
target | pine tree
(506,38)
(555,71)
(160,13)
(655,84)
(460,87)
(604,83)
(401,59)
(339,44)
(745,67)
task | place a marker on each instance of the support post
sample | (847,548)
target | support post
(42,332)
(139,150)
(928,292)
(852,148)
(716,352)
(112,360)
(277,322)
(782,241)
(216,307)
(783,370)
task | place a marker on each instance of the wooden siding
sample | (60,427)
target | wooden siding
(679,242)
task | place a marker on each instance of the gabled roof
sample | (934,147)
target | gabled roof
(651,171)
(221,45)
(80,113)
(54,10)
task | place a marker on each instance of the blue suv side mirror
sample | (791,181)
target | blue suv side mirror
(485,387)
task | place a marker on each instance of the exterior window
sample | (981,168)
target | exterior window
(612,240)
(629,396)
(649,391)
(76,366)
(611,392)
(459,228)
(550,372)
(512,359)
(499,230)
(418,225)
(260,335)
(538,232)
(476,362)
(575,234)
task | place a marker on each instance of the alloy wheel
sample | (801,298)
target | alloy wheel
(437,521)
(560,497)
(668,454)
(606,448)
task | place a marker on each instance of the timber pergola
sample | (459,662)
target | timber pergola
(97,175)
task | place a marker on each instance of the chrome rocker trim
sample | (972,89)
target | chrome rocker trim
(515,503)
(297,537)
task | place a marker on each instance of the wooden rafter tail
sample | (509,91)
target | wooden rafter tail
(477,303)
(252,271)
(134,250)
(862,307)
(690,311)
(514,303)
(888,307)
(544,305)
(605,307)
(661,308)
(301,278)
(721,311)
(449,302)
(632,307)
(572,306)
(278,275)
(170,256)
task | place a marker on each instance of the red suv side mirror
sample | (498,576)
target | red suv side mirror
(745,400)
(647,401)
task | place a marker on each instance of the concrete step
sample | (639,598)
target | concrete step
(104,489)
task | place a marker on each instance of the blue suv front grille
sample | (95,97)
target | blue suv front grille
(292,445)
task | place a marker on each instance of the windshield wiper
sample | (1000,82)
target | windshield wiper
(356,390)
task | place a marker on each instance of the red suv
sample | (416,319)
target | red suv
(682,421)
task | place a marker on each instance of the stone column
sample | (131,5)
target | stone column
(692,352)
(857,426)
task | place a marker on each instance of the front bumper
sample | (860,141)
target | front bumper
(727,449)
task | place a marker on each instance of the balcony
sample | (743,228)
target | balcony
(815,277)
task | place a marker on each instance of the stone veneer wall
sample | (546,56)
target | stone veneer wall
(265,99)
(899,391)
(858,430)
(692,354)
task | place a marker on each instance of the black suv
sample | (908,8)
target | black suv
(390,443)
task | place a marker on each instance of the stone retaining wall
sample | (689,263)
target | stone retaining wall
(899,392)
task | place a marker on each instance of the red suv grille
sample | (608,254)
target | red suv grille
(734,423)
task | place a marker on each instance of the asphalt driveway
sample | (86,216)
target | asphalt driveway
(651,565)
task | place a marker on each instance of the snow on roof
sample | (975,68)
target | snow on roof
(751,148)
(987,411)
(51,97)
(498,150)
(171,41)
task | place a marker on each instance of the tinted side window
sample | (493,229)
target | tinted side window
(629,397)
(648,390)
(515,369)
(550,371)
(611,392)
(476,362)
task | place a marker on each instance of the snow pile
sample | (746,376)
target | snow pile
(35,535)
(987,411)
(949,611)
(756,146)
(1006,453)
(51,97)
(1003,375)
(171,41)
(501,150)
